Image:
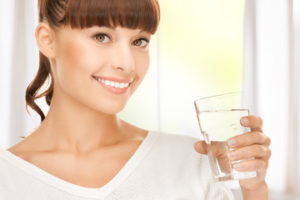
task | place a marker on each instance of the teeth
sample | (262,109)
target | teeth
(113,84)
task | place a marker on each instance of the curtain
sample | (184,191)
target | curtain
(19,53)
(5,40)
(293,174)
(271,84)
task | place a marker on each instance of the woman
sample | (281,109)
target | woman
(95,52)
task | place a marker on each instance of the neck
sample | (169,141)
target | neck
(73,127)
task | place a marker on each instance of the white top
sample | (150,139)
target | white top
(164,167)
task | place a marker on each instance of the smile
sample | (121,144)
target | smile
(112,83)
(113,86)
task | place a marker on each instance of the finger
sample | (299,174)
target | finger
(251,165)
(268,142)
(200,147)
(267,157)
(253,151)
(246,139)
(252,121)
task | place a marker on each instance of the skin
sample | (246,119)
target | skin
(254,144)
(82,131)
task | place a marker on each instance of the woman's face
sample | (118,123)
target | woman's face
(95,65)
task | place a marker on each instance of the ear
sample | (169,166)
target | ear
(45,39)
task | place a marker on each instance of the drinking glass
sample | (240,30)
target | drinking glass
(219,119)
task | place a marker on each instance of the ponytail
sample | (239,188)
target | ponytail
(43,73)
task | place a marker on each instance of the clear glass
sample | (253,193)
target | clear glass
(219,119)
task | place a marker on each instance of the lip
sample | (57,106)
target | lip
(113,89)
(113,79)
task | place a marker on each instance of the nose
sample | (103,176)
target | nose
(122,57)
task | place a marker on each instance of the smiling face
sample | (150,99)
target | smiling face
(100,67)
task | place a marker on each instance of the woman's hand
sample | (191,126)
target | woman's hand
(252,144)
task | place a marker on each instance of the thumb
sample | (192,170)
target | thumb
(200,147)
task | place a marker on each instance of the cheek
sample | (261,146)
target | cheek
(142,63)
(75,57)
(76,63)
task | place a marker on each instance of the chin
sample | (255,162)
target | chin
(111,109)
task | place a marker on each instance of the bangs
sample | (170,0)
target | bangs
(133,14)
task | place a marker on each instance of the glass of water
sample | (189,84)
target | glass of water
(219,119)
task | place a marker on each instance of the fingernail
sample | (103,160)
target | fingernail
(245,121)
(231,142)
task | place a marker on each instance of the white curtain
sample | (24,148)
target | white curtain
(293,183)
(5,67)
(272,33)
(19,58)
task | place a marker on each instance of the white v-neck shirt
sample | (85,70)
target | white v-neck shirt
(164,167)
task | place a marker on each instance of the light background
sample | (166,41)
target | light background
(197,52)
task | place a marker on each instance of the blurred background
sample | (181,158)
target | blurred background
(202,48)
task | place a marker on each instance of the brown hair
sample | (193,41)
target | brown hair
(142,14)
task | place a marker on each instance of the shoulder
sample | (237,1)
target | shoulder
(175,154)
(15,182)
(176,137)
(4,159)
(176,141)
(8,168)
(176,148)
(6,162)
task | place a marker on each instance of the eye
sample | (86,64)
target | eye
(142,42)
(102,37)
